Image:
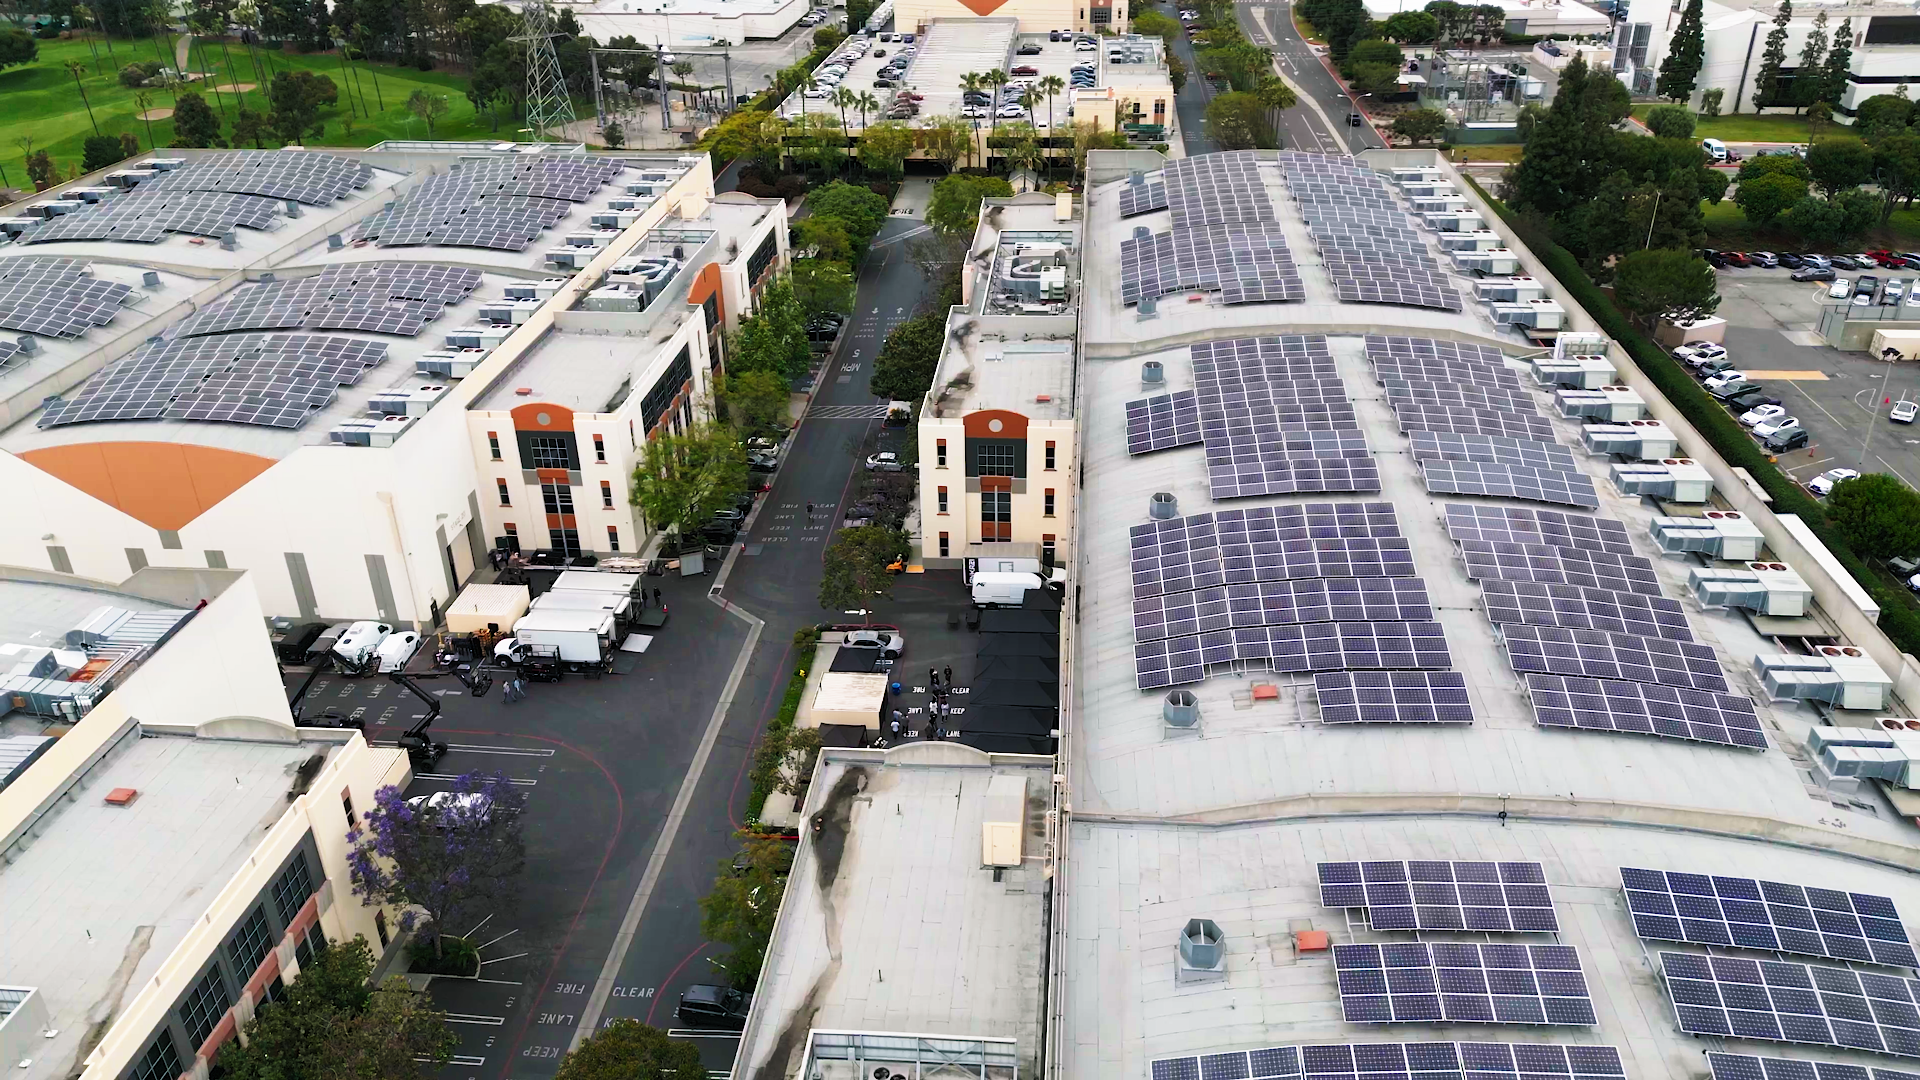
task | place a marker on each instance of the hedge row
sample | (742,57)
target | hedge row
(772,753)
(1898,620)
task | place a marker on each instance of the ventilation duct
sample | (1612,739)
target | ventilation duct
(1454,220)
(1439,204)
(1539,314)
(1163,506)
(410,400)
(1147,308)
(370,432)
(1416,175)
(150,279)
(29,345)
(268,278)
(1672,479)
(1641,440)
(1141,232)
(1494,262)
(1181,709)
(1578,372)
(1136,178)
(1510,290)
(1718,534)
(477,337)
(1773,590)
(334,242)
(1617,404)
(1839,675)
(1426,189)
(1890,753)
(293,208)
(449,363)
(1477,240)
(1203,953)
(1153,375)
(534,290)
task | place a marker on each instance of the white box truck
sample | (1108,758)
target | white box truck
(996,589)
(582,637)
(620,606)
(595,581)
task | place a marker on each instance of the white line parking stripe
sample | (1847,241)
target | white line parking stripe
(475,1018)
(514,751)
(449,778)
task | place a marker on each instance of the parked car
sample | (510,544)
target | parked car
(705,1005)
(890,642)
(1791,261)
(1024,69)
(1699,352)
(1779,425)
(1811,259)
(885,461)
(1011,112)
(293,646)
(1865,284)
(1886,258)
(1824,483)
(1909,259)
(1840,289)
(1714,258)
(1813,273)
(1741,404)
(1760,414)
(1713,367)
(1766,259)
(975,112)
(1904,411)
(763,462)
(1029,50)
(1785,441)
(1735,258)
(1731,388)
(448,809)
(1891,294)
(1864,261)
(1084,45)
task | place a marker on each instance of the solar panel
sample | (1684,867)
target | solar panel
(56,297)
(1525,453)
(1421,983)
(1597,654)
(1416,416)
(496,203)
(1645,709)
(1747,913)
(1246,263)
(1393,697)
(1293,648)
(1527,525)
(1290,476)
(1793,1003)
(1582,608)
(1559,566)
(1171,562)
(1161,422)
(1470,374)
(1441,895)
(1509,482)
(1408,1061)
(1382,345)
(1143,198)
(1270,603)
(1439,391)
(1753,1067)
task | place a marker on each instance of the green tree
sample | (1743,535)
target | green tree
(755,403)
(825,237)
(17,47)
(297,98)
(1664,282)
(1766,85)
(1411,27)
(1276,97)
(1670,121)
(884,147)
(1710,100)
(1839,163)
(683,478)
(739,913)
(1570,149)
(859,210)
(401,1036)
(1834,80)
(1765,198)
(823,286)
(947,139)
(194,123)
(626,1049)
(1882,115)
(250,127)
(773,339)
(1374,51)
(1896,163)
(1454,21)
(1809,81)
(100,151)
(1238,121)
(1784,164)
(41,170)
(908,358)
(1420,125)
(330,1024)
(1835,220)
(1685,55)
(854,571)
(1874,514)
(428,106)
(955,204)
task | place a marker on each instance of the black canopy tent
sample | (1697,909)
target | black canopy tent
(1040,645)
(1018,667)
(1021,693)
(1019,621)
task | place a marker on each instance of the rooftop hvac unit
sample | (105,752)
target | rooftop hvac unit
(1580,342)
(1005,825)
(1772,590)
(1436,204)
(409,400)
(512,312)
(614,219)
(1672,479)
(164,164)
(596,239)
(1617,404)
(1590,372)
(370,431)
(1428,189)
(1473,240)
(1496,261)
(477,337)
(1638,440)
(571,258)
(14,226)
(1888,763)
(449,363)
(1416,174)
(88,194)
(1840,675)
(1719,535)
(127,178)
(651,189)
(1539,314)
(622,296)
(1053,283)
(1454,220)
(535,290)
(1510,290)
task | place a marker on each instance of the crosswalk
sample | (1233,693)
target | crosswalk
(847,412)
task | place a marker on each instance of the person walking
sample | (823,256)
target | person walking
(809,511)
(894,725)
(933,681)
(947,679)
(657,602)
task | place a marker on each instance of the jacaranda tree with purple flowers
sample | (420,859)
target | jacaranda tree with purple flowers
(447,860)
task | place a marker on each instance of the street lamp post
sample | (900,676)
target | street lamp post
(1891,354)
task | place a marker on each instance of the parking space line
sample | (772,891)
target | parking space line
(1894,471)
(500,959)
(474,1018)
(467,1060)
(702,1033)
(1816,404)
(502,982)
(449,777)
(510,751)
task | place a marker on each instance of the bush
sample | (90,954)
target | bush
(776,742)
(132,77)
(458,956)
(1670,121)
(790,187)
(100,151)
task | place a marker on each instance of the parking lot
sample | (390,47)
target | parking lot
(943,57)
(1770,335)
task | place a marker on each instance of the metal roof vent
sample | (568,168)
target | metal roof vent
(1182,709)
(334,243)
(29,345)
(1141,232)
(293,208)
(1148,308)
(1153,373)
(227,240)
(267,278)
(1203,954)
(1136,178)
(1163,506)
(150,279)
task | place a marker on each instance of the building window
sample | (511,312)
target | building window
(1048,503)
(380,927)
(311,943)
(606,496)
(549,452)
(943,545)
(600,449)
(762,258)
(710,307)
(558,498)
(160,1062)
(994,458)
(291,891)
(940,453)
(564,541)
(1047,550)
(346,797)
(1102,16)
(660,398)
(943,498)
(505,498)
(250,944)
(996,517)
(1159,109)
(206,1003)
(613,538)
(1052,457)
(493,444)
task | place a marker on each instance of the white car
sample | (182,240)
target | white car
(1891,293)
(1762,414)
(1840,289)
(886,461)
(1696,353)
(449,809)
(819,94)
(1904,411)
(975,112)
(1012,112)
(1086,46)
(1824,483)
(1779,425)
(1715,382)
(890,642)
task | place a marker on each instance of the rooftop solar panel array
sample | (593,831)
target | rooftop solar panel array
(1508,481)
(1442,895)
(496,203)
(1392,697)
(1268,543)
(1384,346)
(301,175)
(1471,420)
(1161,422)
(1368,245)
(1413,1061)
(1775,916)
(1527,525)
(270,380)
(1143,198)
(1778,1001)
(388,298)
(146,217)
(1422,983)
(1753,1067)
(1453,446)
(1224,238)
(1578,607)
(1597,654)
(1645,709)
(1471,375)
(1444,391)
(56,297)
(1559,566)
(1266,405)
(1271,603)
(1293,648)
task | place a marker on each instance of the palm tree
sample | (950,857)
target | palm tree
(82,15)
(1028,99)
(807,82)
(844,98)
(144,102)
(970,82)
(996,79)
(1051,85)
(1276,95)
(74,68)
(865,102)
(248,17)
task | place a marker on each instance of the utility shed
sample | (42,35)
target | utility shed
(844,697)
(480,606)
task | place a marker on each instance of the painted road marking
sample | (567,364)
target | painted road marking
(475,1018)
(702,1033)
(449,777)
(512,751)
(1788,376)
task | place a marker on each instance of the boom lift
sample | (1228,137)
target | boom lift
(423,752)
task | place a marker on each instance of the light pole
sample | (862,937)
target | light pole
(1891,354)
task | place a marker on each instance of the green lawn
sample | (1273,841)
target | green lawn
(40,100)
(1744,128)
(1728,230)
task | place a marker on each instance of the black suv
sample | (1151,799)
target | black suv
(707,1006)
(1780,444)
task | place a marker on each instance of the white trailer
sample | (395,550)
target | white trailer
(582,637)
(595,581)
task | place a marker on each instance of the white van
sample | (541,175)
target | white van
(356,647)
(1716,150)
(997,589)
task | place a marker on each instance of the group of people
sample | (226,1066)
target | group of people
(939,706)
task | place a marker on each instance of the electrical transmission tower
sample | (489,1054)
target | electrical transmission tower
(549,108)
